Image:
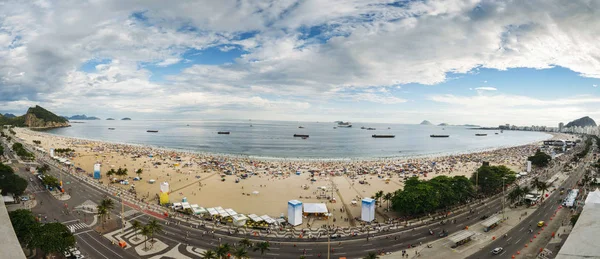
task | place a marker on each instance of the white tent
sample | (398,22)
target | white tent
(222,212)
(315,208)
(268,219)
(255,192)
(239,219)
(186,205)
(212,211)
(230,212)
(255,218)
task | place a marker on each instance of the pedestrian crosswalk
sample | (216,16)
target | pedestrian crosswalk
(129,213)
(76,226)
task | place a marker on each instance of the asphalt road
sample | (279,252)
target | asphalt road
(96,246)
(519,235)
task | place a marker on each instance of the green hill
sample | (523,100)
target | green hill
(36,117)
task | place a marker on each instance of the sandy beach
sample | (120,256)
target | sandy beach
(210,180)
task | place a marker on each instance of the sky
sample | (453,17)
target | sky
(534,62)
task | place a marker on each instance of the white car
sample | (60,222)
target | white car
(497,250)
(74,251)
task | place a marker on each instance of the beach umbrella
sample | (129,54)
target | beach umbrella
(255,192)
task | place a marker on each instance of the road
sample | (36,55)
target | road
(519,235)
(181,236)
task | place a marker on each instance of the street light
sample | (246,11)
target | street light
(503,196)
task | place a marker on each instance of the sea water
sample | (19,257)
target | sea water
(274,139)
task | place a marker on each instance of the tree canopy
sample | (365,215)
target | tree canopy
(25,225)
(10,182)
(490,178)
(419,197)
(53,238)
(540,159)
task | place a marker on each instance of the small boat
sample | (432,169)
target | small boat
(389,128)
(223,132)
(363,127)
(300,136)
(111,128)
(439,136)
(250,125)
(480,134)
(300,127)
(496,133)
(501,131)
(383,136)
(371,128)
(152,131)
(334,127)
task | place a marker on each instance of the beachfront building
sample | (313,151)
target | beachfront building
(368,210)
(583,241)
(295,212)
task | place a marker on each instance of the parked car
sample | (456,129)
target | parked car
(497,250)
(24,198)
(541,223)
(334,236)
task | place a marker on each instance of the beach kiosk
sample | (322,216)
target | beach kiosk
(96,171)
(164,193)
(295,212)
(490,223)
(368,210)
(239,220)
(52,152)
(461,237)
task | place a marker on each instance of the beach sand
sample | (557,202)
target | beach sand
(198,177)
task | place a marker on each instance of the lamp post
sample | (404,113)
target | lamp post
(503,197)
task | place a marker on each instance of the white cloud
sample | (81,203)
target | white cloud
(362,44)
(486,88)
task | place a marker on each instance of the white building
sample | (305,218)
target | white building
(295,212)
(368,210)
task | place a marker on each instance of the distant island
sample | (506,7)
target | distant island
(443,124)
(36,118)
(126,119)
(582,122)
(81,117)
(463,125)
(110,119)
(9,115)
(426,122)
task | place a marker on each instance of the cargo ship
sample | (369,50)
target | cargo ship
(480,135)
(439,136)
(383,136)
(300,136)
(371,128)
(223,132)
(152,131)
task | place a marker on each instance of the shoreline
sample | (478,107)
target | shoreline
(250,185)
(550,135)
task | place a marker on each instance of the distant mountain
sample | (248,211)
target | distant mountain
(82,117)
(426,122)
(36,117)
(126,119)
(9,115)
(110,119)
(470,125)
(582,122)
(443,124)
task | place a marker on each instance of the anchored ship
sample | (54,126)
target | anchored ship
(152,131)
(439,136)
(347,124)
(300,136)
(383,136)
(223,132)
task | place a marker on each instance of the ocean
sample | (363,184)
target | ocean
(274,139)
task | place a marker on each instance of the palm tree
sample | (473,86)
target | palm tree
(136,225)
(371,255)
(544,188)
(245,242)
(378,196)
(109,204)
(154,227)
(388,197)
(146,231)
(124,172)
(535,183)
(222,250)
(515,194)
(262,246)
(241,253)
(209,254)
(110,173)
(139,171)
(102,212)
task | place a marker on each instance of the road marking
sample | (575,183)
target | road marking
(508,239)
(370,250)
(521,228)
(69,221)
(271,254)
(339,253)
(105,246)
(518,240)
(91,246)
(397,244)
(421,238)
(83,232)
(367,245)
(305,249)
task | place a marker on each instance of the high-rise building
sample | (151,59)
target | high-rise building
(560,126)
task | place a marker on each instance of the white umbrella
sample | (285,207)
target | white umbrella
(255,192)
